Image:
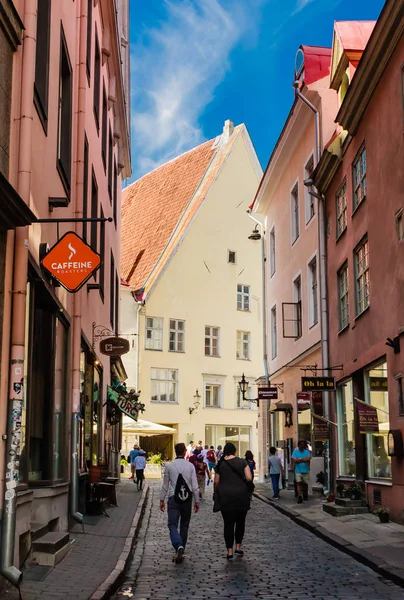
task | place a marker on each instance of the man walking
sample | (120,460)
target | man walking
(275,470)
(301,460)
(140,465)
(132,455)
(180,491)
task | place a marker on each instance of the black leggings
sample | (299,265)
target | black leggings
(234,526)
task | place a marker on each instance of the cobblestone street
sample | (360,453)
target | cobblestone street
(282,560)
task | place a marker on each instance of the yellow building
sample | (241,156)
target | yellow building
(191,291)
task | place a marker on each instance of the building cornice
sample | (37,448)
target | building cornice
(380,47)
(325,171)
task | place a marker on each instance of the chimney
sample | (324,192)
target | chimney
(227,131)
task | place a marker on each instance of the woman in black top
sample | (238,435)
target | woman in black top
(230,484)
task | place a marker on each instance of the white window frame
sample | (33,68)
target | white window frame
(211,337)
(312,291)
(251,392)
(155,341)
(359,177)
(362,279)
(274,332)
(163,380)
(176,333)
(272,251)
(341,209)
(242,343)
(309,200)
(243,297)
(211,382)
(294,212)
(343,296)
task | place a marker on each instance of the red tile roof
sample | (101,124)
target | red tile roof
(158,207)
(317,61)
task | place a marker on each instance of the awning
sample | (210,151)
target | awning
(145,428)
(13,210)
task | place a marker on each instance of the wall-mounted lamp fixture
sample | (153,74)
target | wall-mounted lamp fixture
(197,402)
(243,385)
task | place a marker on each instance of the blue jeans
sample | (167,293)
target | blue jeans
(178,514)
(275,484)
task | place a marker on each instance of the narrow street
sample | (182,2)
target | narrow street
(282,560)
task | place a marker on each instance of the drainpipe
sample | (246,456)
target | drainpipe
(322,250)
(76,325)
(139,308)
(19,292)
(264,334)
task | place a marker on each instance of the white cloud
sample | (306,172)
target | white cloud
(175,70)
(301,4)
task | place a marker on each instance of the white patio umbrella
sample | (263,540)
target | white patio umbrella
(144,428)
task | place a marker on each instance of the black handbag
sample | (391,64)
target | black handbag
(250,484)
(216,499)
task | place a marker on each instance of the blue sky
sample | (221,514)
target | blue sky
(195,63)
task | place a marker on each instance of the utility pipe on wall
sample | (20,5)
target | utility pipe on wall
(19,293)
(76,325)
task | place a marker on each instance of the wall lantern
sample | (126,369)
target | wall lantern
(243,385)
(197,402)
(395,443)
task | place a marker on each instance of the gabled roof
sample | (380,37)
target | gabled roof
(349,41)
(316,63)
(158,207)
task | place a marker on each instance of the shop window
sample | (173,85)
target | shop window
(346,430)
(64,148)
(91,412)
(376,394)
(219,435)
(41,85)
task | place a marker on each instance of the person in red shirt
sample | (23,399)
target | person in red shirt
(202,472)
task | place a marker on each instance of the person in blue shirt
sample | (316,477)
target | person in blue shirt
(140,465)
(301,457)
(132,455)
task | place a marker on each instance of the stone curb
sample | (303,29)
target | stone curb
(377,564)
(109,585)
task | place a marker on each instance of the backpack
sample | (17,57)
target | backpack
(182,493)
(211,456)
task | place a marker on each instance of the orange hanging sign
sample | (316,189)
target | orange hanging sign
(71,262)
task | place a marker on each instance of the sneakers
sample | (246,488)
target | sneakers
(239,553)
(300,500)
(230,557)
(179,557)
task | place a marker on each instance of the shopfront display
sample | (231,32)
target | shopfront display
(219,435)
(377,395)
(346,429)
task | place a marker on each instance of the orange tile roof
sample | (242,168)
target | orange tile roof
(158,208)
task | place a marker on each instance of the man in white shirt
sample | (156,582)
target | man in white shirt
(140,465)
(179,514)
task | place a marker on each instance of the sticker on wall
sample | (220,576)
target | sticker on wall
(17,387)
(11,485)
(9,495)
(18,371)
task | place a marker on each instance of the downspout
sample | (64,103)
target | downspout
(139,308)
(76,326)
(19,293)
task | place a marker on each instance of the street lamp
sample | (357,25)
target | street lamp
(243,385)
(197,402)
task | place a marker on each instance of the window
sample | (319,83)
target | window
(41,86)
(346,429)
(243,297)
(310,206)
(89,28)
(216,435)
(294,213)
(112,291)
(243,345)
(65,116)
(340,200)
(359,178)
(102,254)
(272,251)
(274,334)
(164,385)
(211,341)
(177,336)
(297,292)
(313,304)
(85,187)
(104,128)
(212,395)
(115,207)
(362,276)
(377,394)
(343,301)
(399,225)
(97,81)
(94,213)
(400,395)
(154,333)
(231,257)
(110,163)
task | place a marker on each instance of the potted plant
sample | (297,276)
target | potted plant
(341,490)
(124,462)
(355,492)
(383,513)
